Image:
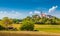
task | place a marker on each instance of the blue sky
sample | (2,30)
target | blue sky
(22,8)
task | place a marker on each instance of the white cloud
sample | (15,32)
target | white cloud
(37,12)
(9,14)
(30,12)
(52,9)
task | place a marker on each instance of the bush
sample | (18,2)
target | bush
(36,30)
(27,25)
(2,28)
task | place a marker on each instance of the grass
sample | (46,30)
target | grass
(16,26)
(51,30)
(48,28)
(44,30)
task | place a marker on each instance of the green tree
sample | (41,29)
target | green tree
(6,21)
(16,21)
(36,18)
(27,25)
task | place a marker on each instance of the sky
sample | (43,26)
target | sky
(22,8)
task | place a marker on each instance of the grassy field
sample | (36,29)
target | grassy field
(44,30)
(48,28)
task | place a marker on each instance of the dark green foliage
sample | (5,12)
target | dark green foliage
(16,21)
(28,25)
(2,28)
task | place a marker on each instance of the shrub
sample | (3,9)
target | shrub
(36,30)
(27,25)
(2,28)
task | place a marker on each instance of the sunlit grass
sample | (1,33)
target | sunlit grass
(48,28)
(51,30)
(45,28)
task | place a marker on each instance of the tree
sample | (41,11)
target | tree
(36,18)
(27,25)
(6,21)
(48,22)
(16,21)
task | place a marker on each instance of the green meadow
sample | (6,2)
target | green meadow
(45,28)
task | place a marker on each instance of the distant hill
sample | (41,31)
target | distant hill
(45,19)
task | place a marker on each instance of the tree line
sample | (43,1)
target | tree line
(44,20)
(35,18)
(28,22)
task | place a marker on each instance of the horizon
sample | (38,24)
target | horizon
(23,8)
